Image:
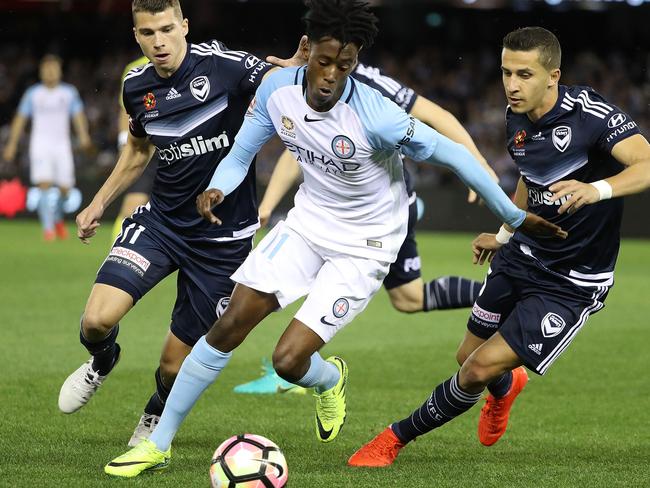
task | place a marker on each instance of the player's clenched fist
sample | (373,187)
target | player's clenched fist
(88,221)
(206,200)
(484,247)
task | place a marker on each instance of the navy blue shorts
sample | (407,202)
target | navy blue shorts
(406,267)
(146,252)
(537,312)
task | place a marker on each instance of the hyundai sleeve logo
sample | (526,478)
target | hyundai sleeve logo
(616,120)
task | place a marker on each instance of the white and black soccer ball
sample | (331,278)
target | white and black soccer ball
(248,461)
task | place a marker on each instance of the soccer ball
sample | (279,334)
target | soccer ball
(248,461)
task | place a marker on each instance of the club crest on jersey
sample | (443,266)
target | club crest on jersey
(552,325)
(200,88)
(149,101)
(287,123)
(222,305)
(520,137)
(343,147)
(340,307)
(561,137)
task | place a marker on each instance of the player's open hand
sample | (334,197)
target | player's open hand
(579,194)
(298,59)
(484,247)
(88,222)
(206,200)
(534,225)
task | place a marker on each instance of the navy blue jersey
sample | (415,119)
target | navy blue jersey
(572,141)
(192,118)
(391,89)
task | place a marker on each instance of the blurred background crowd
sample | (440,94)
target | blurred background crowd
(446,51)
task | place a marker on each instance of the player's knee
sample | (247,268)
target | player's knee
(96,322)
(169,368)
(405,300)
(287,363)
(461,356)
(406,304)
(474,374)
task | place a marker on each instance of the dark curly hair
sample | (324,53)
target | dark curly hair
(348,21)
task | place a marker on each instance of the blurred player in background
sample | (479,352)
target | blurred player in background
(349,221)
(406,289)
(50,104)
(577,155)
(138,193)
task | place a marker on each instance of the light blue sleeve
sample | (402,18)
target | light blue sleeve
(256,130)
(25,107)
(76,105)
(457,158)
(388,127)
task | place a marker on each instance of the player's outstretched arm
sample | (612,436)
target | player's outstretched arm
(129,167)
(80,123)
(444,122)
(284,175)
(634,153)
(456,157)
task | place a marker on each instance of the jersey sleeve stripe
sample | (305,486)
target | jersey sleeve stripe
(137,71)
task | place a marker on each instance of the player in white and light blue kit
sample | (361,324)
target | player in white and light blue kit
(347,226)
(50,105)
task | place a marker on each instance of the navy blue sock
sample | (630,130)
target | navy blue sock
(446,402)
(104,352)
(156,403)
(450,292)
(501,385)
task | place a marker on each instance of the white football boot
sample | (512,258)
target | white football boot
(80,386)
(144,429)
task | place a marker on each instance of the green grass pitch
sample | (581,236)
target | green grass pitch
(585,424)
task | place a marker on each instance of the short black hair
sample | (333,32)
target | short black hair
(531,38)
(156,6)
(347,21)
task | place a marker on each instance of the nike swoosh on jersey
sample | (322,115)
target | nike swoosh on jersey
(307,119)
(323,321)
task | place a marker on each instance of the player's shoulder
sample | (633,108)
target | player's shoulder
(138,63)
(138,76)
(368,99)
(220,53)
(279,78)
(585,102)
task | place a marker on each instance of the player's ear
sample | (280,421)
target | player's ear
(305,48)
(554,77)
(185,25)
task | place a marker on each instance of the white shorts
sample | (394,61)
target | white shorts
(52,165)
(338,286)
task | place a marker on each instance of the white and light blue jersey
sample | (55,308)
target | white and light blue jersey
(50,110)
(353,198)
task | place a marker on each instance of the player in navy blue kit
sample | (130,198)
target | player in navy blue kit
(577,155)
(186,105)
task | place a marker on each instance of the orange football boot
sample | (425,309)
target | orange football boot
(61,231)
(494,414)
(379,452)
